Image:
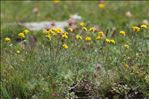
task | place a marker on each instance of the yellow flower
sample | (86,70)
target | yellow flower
(7,39)
(88,38)
(65,46)
(126,46)
(52,32)
(84,28)
(122,33)
(112,41)
(98,38)
(56,1)
(26,31)
(57,30)
(92,29)
(78,37)
(21,35)
(144,26)
(46,31)
(101,34)
(65,36)
(136,29)
(65,33)
(70,29)
(126,65)
(82,24)
(49,37)
(101,5)
(18,51)
(107,40)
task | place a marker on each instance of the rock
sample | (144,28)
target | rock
(36,26)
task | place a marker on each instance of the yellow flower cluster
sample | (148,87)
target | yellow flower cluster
(92,29)
(110,41)
(136,29)
(57,30)
(49,37)
(49,33)
(65,35)
(23,34)
(100,35)
(52,32)
(85,28)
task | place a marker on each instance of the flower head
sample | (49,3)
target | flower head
(144,26)
(84,28)
(122,33)
(107,40)
(70,29)
(126,65)
(65,33)
(56,1)
(92,29)
(98,38)
(136,29)
(101,34)
(52,32)
(18,51)
(88,38)
(26,31)
(21,35)
(7,40)
(65,46)
(82,24)
(49,37)
(65,36)
(101,5)
(112,41)
(46,31)
(78,37)
(126,46)
(57,30)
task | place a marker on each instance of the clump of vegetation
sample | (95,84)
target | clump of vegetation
(82,61)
